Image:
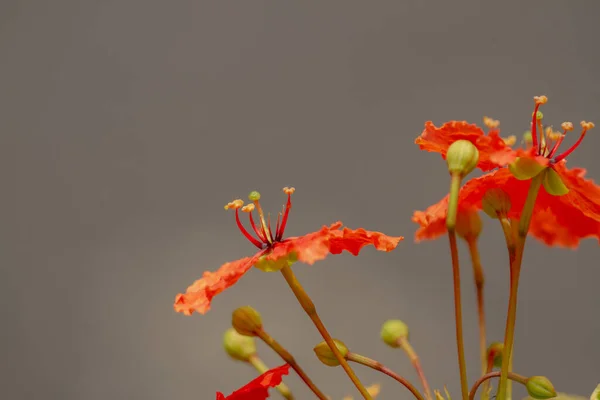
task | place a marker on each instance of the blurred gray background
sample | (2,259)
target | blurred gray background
(125,127)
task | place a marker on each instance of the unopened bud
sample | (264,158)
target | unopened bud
(246,321)
(392,331)
(540,388)
(495,202)
(462,157)
(238,347)
(596,394)
(494,352)
(468,224)
(325,354)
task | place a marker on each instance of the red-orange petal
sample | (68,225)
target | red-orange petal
(258,389)
(353,240)
(200,294)
(493,151)
(556,221)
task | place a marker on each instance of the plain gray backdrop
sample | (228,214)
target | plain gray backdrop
(127,125)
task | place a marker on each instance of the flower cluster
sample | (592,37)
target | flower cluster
(526,186)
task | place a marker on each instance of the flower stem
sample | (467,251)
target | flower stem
(311,310)
(515,271)
(288,358)
(511,375)
(368,362)
(479,285)
(450,224)
(260,366)
(414,359)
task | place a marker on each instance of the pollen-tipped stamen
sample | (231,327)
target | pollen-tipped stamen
(237,204)
(586,127)
(249,208)
(254,197)
(269,225)
(288,207)
(539,100)
(567,126)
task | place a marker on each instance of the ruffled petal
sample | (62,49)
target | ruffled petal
(258,389)
(199,295)
(493,151)
(354,240)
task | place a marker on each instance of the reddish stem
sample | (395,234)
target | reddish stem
(281,230)
(245,232)
(258,233)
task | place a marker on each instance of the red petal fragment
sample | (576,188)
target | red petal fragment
(493,151)
(199,295)
(354,240)
(308,248)
(258,389)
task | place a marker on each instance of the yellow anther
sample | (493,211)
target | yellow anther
(587,125)
(288,190)
(511,140)
(248,208)
(234,204)
(567,126)
(491,123)
(374,389)
(540,99)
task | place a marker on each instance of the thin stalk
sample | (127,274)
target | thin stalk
(377,366)
(260,366)
(414,359)
(310,309)
(511,375)
(479,285)
(288,358)
(515,271)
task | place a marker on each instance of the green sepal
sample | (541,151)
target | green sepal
(525,168)
(596,394)
(554,184)
(266,265)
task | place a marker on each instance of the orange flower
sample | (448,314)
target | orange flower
(558,220)
(274,251)
(258,389)
(493,150)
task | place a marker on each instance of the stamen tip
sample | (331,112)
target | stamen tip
(254,196)
(587,125)
(539,115)
(540,99)
(491,123)
(567,126)
(248,208)
(235,204)
(289,190)
(511,140)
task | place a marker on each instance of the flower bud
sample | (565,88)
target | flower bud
(238,347)
(468,224)
(392,331)
(462,157)
(246,321)
(495,202)
(596,394)
(494,351)
(326,356)
(539,387)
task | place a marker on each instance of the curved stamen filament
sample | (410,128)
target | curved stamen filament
(244,231)
(256,230)
(567,126)
(269,226)
(265,228)
(288,207)
(539,100)
(586,126)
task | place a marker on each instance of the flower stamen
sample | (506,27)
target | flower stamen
(491,123)
(237,204)
(288,207)
(586,127)
(566,126)
(248,209)
(255,197)
(539,100)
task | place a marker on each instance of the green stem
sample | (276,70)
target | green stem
(451,224)
(310,309)
(511,375)
(288,358)
(414,360)
(260,366)
(377,366)
(515,271)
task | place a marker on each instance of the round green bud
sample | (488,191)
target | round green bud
(468,224)
(540,388)
(494,351)
(495,202)
(254,196)
(392,331)
(238,347)
(539,115)
(246,321)
(527,137)
(462,157)
(325,354)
